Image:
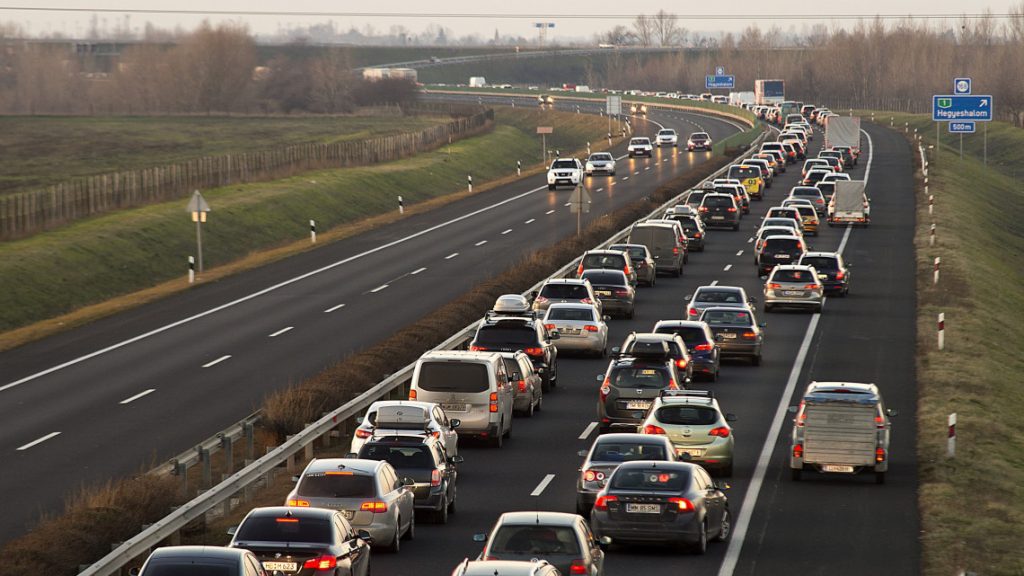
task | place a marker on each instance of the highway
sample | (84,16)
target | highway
(116,396)
(835,525)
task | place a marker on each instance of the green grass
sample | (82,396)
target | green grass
(972,506)
(94,260)
(42,150)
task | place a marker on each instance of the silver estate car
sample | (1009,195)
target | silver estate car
(794,285)
(694,423)
(605,455)
(556,290)
(709,296)
(368,492)
(562,539)
(433,420)
(580,328)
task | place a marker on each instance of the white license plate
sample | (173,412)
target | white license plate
(792,293)
(643,508)
(603,292)
(718,217)
(280,566)
(728,335)
(694,452)
(837,468)
(453,407)
(782,256)
(638,404)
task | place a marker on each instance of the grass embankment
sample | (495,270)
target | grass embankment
(972,506)
(93,518)
(44,150)
(145,249)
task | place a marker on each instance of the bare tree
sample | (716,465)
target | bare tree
(643,30)
(666,28)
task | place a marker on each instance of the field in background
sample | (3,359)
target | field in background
(44,150)
(972,506)
(102,258)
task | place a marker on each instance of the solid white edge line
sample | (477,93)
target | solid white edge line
(333,308)
(38,441)
(481,243)
(131,399)
(281,331)
(217,361)
(588,430)
(417,271)
(452,255)
(732,553)
(379,288)
(543,484)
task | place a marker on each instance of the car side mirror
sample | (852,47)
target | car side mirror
(763,324)
(295,478)
(479,537)
(406,481)
(752,299)
(457,459)
(606,318)
(892,412)
(133,571)
(231,530)
(793,409)
(454,423)
(720,485)
(729,417)
(605,540)
(364,536)
(582,453)
(616,352)
(600,377)
(554,335)
(848,265)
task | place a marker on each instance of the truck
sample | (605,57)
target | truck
(843,131)
(849,204)
(840,428)
(742,99)
(477,82)
(769,92)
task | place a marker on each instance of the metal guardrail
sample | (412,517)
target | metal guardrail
(324,429)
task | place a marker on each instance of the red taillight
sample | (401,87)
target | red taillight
(287,520)
(652,429)
(730,209)
(692,312)
(375,506)
(494,402)
(435,477)
(749,335)
(681,363)
(534,351)
(540,300)
(682,504)
(811,287)
(577,567)
(593,476)
(360,433)
(799,245)
(522,385)
(587,301)
(672,384)
(590,328)
(579,271)
(879,454)
(626,270)
(412,394)
(602,501)
(720,432)
(696,234)
(605,389)
(704,347)
(621,292)
(840,275)
(879,422)
(703,208)
(299,503)
(321,563)
(774,286)
(798,451)
(549,326)
(675,250)
(477,348)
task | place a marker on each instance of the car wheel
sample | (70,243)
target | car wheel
(612,173)
(700,547)
(551,186)
(726,528)
(540,404)
(451,505)
(796,474)
(686,257)
(678,271)
(879,477)
(441,516)
(756,360)
(396,545)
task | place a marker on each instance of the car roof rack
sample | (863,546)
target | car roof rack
(668,393)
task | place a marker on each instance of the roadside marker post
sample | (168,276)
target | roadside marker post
(942,330)
(198,208)
(401,205)
(935,274)
(312,231)
(191,269)
(931,204)
(519,167)
(931,236)
(951,436)
(588,148)
(469,182)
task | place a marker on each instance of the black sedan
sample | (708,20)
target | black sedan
(833,272)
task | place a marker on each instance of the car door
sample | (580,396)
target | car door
(530,377)
(355,555)
(449,437)
(594,556)
(506,396)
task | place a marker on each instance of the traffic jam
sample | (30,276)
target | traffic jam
(657,470)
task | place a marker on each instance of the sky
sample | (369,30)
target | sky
(418,14)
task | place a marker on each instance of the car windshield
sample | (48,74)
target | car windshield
(601,157)
(522,335)
(821,263)
(793,276)
(666,132)
(444,376)
(613,451)
(727,318)
(695,197)
(574,314)
(638,141)
(189,567)
(564,291)
(534,539)
(687,415)
(603,261)
(563,164)
(639,377)
(401,457)
(718,297)
(604,278)
(336,485)
(691,335)
(649,479)
(274,529)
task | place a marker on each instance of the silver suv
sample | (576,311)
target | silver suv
(693,422)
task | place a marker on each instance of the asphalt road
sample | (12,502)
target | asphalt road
(131,390)
(833,526)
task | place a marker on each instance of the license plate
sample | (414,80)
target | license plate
(573,331)
(695,452)
(603,292)
(792,293)
(782,256)
(837,468)
(280,566)
(643,508)
(718,217)
(728,335)
(453,407)
(638,405)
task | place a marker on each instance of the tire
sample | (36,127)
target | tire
(551,186)
(726,528)
(879,477)
(817,309)
(735,227)
(528,413)
(540,403)
(714,377)
(612,173)
(756,360)
(677,272)
(796,474)
(396,545)
(441,516)
(701,546)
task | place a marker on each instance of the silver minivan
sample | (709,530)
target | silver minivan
(471,386)
(662,239)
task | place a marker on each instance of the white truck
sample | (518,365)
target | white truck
(840,428)
(849,204)
(843,131)
(477,82)
(742,99)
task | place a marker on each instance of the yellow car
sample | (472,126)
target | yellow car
(750,177)
(809,220)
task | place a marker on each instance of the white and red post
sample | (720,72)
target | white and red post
(401,205)
(312,231)
(942,330)
(951,438)
(935,273)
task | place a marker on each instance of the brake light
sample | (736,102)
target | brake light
(360,433)
(652,429)
(682,504)
(534,351)
(681,363)
(287,520)
(840,275)
(627,270)
(749,335)
(593,476)
(435,477)
(720,432)
(590,328)
(494,402)
(730,209)
(703,208)
(577,567)
(299,503)
(672,384)
(811,287)
(549,326)
(675,250)
(799,245)
(879,454)
(587,301)
(321,563)
(477,348)
(602,501)
(696,234)
(692,312)
(375,506)
(703,347)
(579,271)
(774,286)
(879,422)
(798,451)
(621,292)
(412,394)
(605,389)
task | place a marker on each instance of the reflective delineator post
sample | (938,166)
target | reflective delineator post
(935,273)
(519,167)
(931,204)
(469,182)
(312,231)
(931,236)
(191,269)
(942,330)
(401,206)
(588,148)
(951,436)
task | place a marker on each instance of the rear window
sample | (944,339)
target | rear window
(564,291)
(718,297)
(639,377)
(727,317)
(820,263)
(597,277)
(806,211)
(718,202)
(782,244)
(687,415)
(188,567)
(650,479)
(779,213)
(563,164)
(793,276)
(741,173)
(687,223)
(268,529)
(337,485)
(695,197)
(578,314)
(534,539)
(401,457)
(809,193)
(454,376)
(691,335)
(627,452)
(636,253)
(603,261)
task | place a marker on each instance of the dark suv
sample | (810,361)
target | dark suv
(649,345)
(509,334)
(720,210)
(778,250)
(694,228)
(631,385)
(423,459)
(833,272)
(705,355)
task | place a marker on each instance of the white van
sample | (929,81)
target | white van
(471,386)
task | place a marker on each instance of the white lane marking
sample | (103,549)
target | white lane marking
(379,288)
(749,240)
(647,167)
(530,220)
(480,243)
(217,361)
(732,553)
(637,173)
(588,430)
(625,178)
(740,253)
(567,204)
(333,308)
(38,441)
(131,399)
(599,189)
(506,231)
(727,267)
(714,283)
(549,212)
(281,331)
(543,484)
(417,271)
(452,255)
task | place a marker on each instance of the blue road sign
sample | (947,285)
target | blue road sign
(719,82)
(950,107)
(961,86)
(961,127)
